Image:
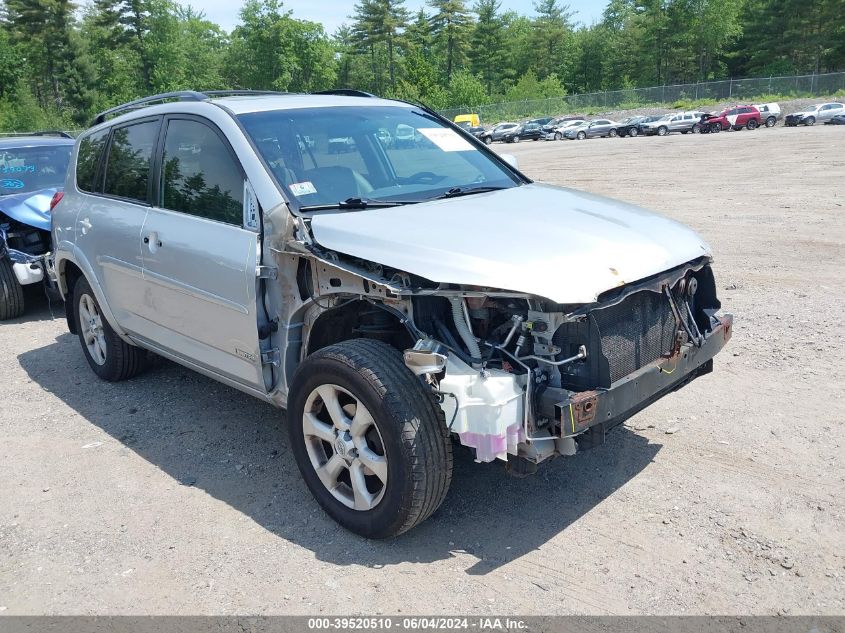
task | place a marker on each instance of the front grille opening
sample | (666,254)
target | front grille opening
(635,332)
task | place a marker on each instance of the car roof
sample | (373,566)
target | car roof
(13,142)
(265,103)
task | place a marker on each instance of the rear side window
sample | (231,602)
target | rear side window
(88,160)
(128,164)
(200,175)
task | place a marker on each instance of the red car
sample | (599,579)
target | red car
(736,117)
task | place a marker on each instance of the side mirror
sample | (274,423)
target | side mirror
(510,159)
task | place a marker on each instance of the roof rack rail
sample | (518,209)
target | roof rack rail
(346,92)
(181,95)
(58,133)
(242,93)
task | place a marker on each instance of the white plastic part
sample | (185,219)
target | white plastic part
(510,159)
(28,273)
(489,409)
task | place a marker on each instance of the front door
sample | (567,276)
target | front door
(199,262)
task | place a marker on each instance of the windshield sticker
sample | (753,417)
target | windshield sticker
(17,169)
(446,139)
(11,183)
(302,188)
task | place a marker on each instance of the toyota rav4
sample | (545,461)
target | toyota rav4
(393,301)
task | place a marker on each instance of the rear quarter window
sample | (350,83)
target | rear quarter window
(88,161)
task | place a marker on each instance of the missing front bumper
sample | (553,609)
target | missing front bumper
(577,413)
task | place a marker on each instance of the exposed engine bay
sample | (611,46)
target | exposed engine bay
(27,248)
(521,378)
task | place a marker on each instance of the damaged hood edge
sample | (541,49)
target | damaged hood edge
(31,208)
(561,244)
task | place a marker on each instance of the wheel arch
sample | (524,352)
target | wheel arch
(69,269)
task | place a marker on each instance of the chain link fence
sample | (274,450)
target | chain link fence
(684,95)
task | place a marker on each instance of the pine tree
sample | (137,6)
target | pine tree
(450,26)
(486,51)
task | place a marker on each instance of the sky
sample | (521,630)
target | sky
(332,13)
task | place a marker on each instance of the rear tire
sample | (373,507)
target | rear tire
(771,121)
(582,136)
(109,356)
(401,433)
(558,136)
(613,133)
(752,124)
(11,292)
(488,140)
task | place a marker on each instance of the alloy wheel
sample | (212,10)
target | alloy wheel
(345,447)
(91,324)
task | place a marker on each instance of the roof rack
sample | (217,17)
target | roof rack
(180,95)
(346,92)
(58,133)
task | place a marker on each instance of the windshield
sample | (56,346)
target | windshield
(26,169)
(350,157)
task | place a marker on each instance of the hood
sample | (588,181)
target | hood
(31,208)
(557,243)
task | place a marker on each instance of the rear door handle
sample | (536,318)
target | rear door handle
(152,241)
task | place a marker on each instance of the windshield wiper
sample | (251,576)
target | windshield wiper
(354,204)
(455,192)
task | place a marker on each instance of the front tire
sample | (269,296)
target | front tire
(582,136)
(558,136)
(810,120)
(488,140)
(662,131)
(369,439)
(752,124)
(11,292)
(613,133)
(633,132)
(109,356)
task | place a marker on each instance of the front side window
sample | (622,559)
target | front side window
(128,163)
(347,157)
(28,169)
(88,160)
(199,175)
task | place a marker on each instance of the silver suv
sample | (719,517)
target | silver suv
(392,299)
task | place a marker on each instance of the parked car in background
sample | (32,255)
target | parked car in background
(592,129)
(736,118)
(341,145)
(839,119)
(706,124)
(633,126)
(525,132)
(476,130)
(498,132)
(472,119)
(821,112)
(345,290)
(32,176)
(557,132)
(405,137)
(683,122)
(769,113)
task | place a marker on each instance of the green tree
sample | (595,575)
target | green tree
(450,27)
(487,51)
(552,38)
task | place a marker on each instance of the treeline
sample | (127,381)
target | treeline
(59,63)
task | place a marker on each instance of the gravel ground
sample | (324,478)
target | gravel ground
(171,494)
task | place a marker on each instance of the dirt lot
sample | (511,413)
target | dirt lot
(171,494)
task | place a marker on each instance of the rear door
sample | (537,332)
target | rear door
(117,198)
(199,260)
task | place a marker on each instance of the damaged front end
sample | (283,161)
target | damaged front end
(543,379)
(521,378)
(25,239)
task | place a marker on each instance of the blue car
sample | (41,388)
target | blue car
(32,176)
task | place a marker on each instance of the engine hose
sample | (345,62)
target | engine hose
(451,344)
(463,328)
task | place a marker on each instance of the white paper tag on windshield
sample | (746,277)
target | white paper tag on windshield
(446,139)
(302,188)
